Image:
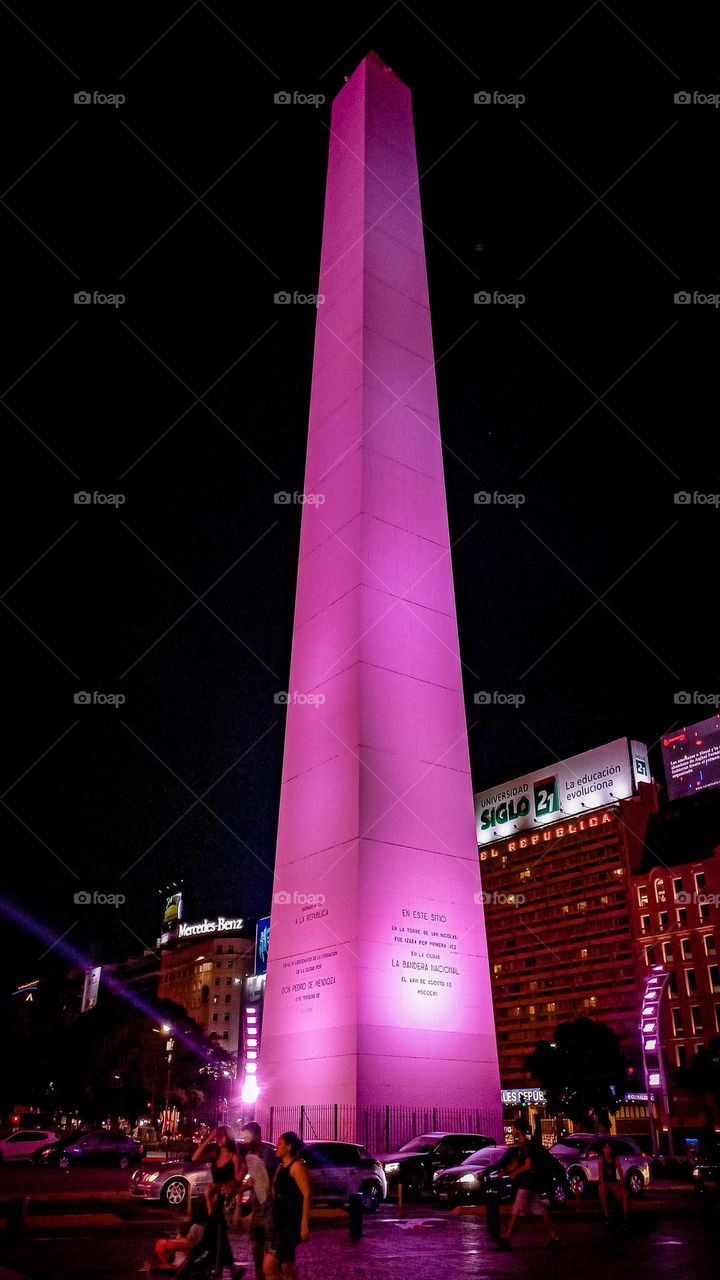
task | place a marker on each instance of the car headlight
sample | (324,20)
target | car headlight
(468,1178)
(393,1167)
(151,1177)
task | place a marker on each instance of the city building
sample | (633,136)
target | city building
(203,967)
(555,888)
(675,907)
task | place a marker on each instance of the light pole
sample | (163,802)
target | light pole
(166,1031)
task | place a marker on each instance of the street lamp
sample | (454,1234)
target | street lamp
(166,1030)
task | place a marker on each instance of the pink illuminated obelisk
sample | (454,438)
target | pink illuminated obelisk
(378,990)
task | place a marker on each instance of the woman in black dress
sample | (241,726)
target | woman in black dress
(290,1210)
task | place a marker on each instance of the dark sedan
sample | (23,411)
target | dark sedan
(415,1164)
(95,1147)
(487,1172)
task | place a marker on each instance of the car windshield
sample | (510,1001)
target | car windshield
(570,1144)
(420,1144)
(488,1155)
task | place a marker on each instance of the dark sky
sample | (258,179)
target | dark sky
(197,199)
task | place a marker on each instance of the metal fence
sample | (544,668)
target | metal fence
(377,1128)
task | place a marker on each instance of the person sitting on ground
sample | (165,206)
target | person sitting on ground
(168,1249)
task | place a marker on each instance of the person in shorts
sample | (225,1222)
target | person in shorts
(259,1170)
(528,1201)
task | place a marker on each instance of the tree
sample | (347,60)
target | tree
(582,1071)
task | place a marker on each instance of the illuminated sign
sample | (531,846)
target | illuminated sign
(510,1096)
(549,833)
(692,758)
(651,1047)
(253,1000)
(262,942)
(91,989)
(585,782)
(27,988)
(221,924)
(173,910)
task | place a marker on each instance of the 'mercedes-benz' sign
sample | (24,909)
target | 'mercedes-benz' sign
(589,781)
(221,924)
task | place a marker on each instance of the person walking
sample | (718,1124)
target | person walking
(260,1166)
(290,1210)
(228,1170)
(611,1184)
(528,1201)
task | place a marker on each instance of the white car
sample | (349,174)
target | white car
(579,1153)
(23,1144)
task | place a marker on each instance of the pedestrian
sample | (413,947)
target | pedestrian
(611,1184)
(259,1167)
(528,1201)
(289,1223)
(227,1167)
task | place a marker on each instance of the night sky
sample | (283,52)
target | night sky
(197,199)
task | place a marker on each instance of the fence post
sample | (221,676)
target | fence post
(387,1127)
(302,1123)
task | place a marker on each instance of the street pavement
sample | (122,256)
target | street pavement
(669,1237)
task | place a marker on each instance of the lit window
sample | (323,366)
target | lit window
(551,1008)
(659,890)
(677,887)
(663,920)
(714,976)
(709,945)
(686,948)
(699,878)
(667,952)
(583,953)
(645,924)
(690,982)
(642,895)
(677,1021)
(696,1015)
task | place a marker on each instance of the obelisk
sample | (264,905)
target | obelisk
(378,989)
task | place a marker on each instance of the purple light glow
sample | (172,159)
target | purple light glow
(378,991)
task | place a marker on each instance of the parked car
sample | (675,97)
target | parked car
(579,1153)
(416,1163)
(23,1143)
(488,1171)
(339,1169)
(94,1147)
(174,1182)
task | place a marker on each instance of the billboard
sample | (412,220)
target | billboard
(262,941)
(691,758)
(173,910)
(567,788)
(90,989)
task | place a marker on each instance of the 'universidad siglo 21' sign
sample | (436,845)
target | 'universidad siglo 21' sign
(588,781)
